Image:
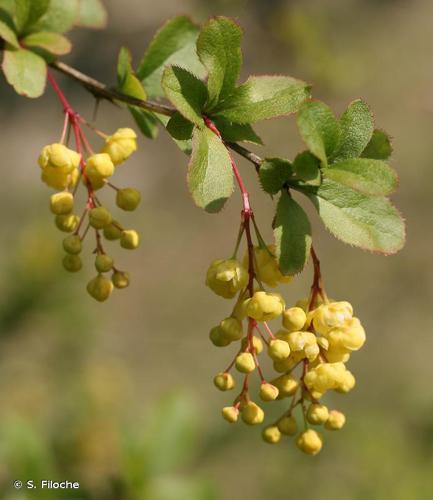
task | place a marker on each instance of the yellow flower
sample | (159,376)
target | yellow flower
(224,381)
(287,425)
(245,362)
(230,413)
(100,288)
(335,421)
(268,392)
(294,319)
(226,277)
(59,157)
(309,442)
(331,315)
(278,350)
(231,329)
(317,414)
(61,203)
(271,434)
(99,166)
(129,239)
(252,414)
(263,306)
(120,145)
(67,223)
(266,266)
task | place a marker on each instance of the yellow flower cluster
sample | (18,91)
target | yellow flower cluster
(309,351)
(62,168)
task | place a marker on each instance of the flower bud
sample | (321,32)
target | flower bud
(67,223)
(61,203)
(226,277)
(263,306)
(317,414)
(103,263)
(128,199)
(100,288)
(112,231)
(331,315)
(268,392)
(72,244)
(230,413)
(120,279)
(224,381)
(294,319)
(231,329)
(278,350)
(99,166)
(266,266)
(120,145)
(286,384)
(129,239)
(336,420)
(72,263)
(99,217)
(257,344)
(245,362)
(252,414)
(217,339)
(271,434)
(287,425)
(309,442)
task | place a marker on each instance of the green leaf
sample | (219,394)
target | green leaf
(51,42)
(210,176)
(25,71)
(356,126)
(292,233)
(263,97)
(124,66)
(319,129)
(183,145)
(37,10)
(274,173)
(236,132)
(175,44)
(186,92)
(60,16)
(379,147)
(371,223)
(371,177)
(92,14)
(219,49)
(22,12)
(306,168)
(179,127)
(7,29)
(146,122)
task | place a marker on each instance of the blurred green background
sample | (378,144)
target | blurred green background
(119,396)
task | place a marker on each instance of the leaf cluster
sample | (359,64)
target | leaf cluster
(33,33)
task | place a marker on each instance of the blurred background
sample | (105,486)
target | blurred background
(119,395)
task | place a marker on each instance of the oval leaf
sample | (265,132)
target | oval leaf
(25,71)
(371,177)
(219,49)
(186,92)
(356,126)
(274,173)
(210,175)
(319,129)
(174,43)
(292,232)
(371,223)
(51,42)
(379,147)
(263,97)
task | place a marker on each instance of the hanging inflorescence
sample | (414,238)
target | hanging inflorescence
(66,170)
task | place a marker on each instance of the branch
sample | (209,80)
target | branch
(102,91)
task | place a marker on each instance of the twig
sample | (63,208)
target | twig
(102,91)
